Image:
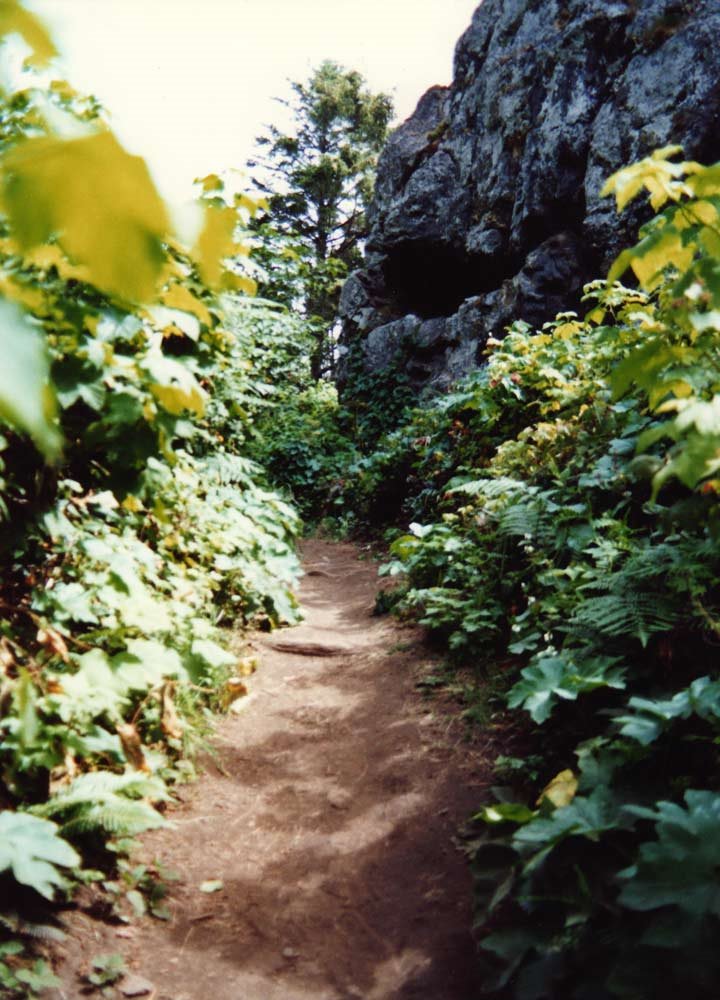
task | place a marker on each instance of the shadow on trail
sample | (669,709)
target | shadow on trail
(339,798)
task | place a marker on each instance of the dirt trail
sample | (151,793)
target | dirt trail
(330,823)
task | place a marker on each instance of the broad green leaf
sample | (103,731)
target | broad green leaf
(98,200)
(551,678)
(26,400)
(650,717)
(643,365)
(681,867)
(31,848)
(586,816)
(213,654)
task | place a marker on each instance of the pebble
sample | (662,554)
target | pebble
(136,986)
(339,799)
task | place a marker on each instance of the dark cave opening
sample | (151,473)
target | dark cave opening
(430,279)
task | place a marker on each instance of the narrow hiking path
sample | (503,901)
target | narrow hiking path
(329,817)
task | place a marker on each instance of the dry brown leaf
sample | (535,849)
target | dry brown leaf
(132,746)
(53,643)
(170,721)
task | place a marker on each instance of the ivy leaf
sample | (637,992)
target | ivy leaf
(31,848)
(26,400)
(681,867)
(98,200)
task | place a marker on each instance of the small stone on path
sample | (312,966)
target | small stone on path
(136,986)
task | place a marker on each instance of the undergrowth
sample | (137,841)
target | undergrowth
(134,526)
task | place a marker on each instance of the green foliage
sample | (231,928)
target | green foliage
(31,848)
(116,804)
(21,980)
(564,523)
(302,445)
(136,366)
(106,969)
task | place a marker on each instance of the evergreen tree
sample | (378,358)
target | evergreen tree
(318,178)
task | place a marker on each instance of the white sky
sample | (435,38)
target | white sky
(190,83)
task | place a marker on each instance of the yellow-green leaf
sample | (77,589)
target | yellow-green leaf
(212,182)
(561,790)
(649,259)
(658,176)
(180,297)
(216,242)
(98,200)
(239,283)
(15,20)
(175,387)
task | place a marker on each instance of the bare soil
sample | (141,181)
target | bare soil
(329,815)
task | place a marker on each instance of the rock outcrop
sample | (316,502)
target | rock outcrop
(487,205)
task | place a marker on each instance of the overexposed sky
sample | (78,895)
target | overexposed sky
(189,83)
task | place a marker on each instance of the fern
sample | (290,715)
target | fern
(16,924)
(527,520)
(490,488)
(228,469)
(648,564)
(629,613)
(101,801)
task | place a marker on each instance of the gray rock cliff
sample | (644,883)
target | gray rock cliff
(487,204)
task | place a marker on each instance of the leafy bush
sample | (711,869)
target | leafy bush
(132,521)
(565,523)
(305,450)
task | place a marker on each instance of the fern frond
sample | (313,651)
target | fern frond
(527,519)
(16,924)
(118,817)
(229,469)
(647,564)
(100,786)
(628,613)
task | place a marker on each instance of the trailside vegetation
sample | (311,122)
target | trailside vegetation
(133,526)
(564,540)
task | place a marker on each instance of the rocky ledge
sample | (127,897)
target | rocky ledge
(487,205)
